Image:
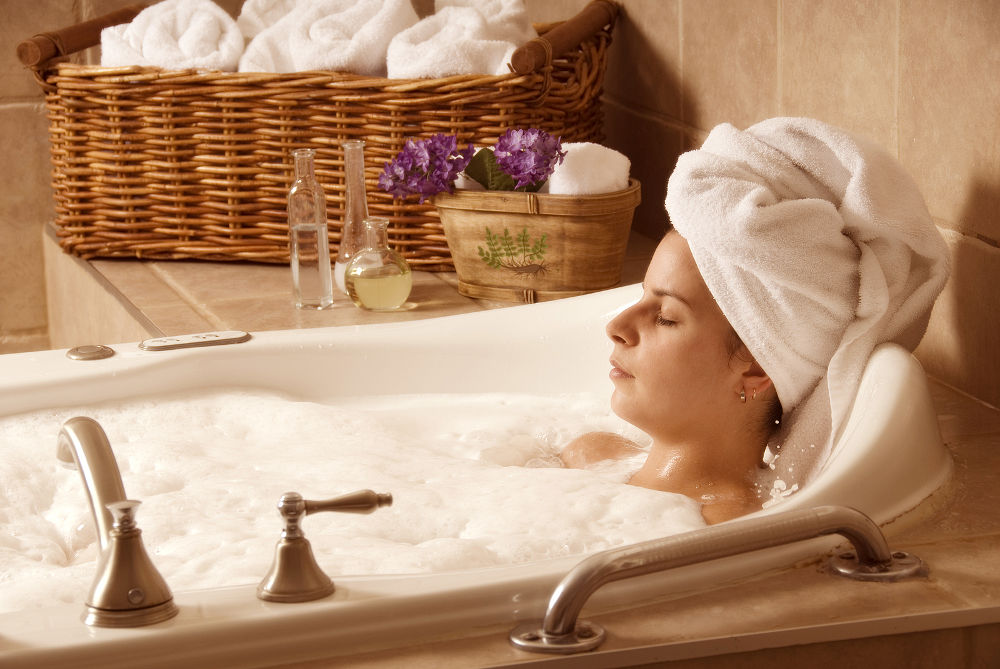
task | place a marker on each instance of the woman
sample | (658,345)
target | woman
(797,249)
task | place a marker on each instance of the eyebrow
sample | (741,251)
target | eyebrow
(663,292)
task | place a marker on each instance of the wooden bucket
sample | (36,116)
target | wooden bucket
(532,247)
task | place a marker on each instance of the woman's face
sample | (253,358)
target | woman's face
(671,365)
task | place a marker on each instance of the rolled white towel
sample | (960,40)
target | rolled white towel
(589,169)
(340,35)
(817,246)
(258,15)
(450,42)
(507,20)
(175,35)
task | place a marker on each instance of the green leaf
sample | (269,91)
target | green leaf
(484,169)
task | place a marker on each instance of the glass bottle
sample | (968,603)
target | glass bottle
(377,278)
(307,236)
(352,237)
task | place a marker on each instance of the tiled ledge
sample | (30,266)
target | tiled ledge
(112,301)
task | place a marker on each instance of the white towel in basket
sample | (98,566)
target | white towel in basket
(339,35)
(175,35)
(588,169)
(450,42)
(507,19)
(258,15)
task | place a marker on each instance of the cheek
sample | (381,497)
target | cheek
(693,371)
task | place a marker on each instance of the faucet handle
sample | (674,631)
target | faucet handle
(293,507)
(294,575)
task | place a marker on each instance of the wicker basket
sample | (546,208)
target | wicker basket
(533,247)
(157,164)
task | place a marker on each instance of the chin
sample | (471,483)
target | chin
(625,411)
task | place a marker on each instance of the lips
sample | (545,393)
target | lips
(617,372)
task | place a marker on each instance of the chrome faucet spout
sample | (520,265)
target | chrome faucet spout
(82,443)
(128,591)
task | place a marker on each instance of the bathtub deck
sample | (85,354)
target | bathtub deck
(131,300)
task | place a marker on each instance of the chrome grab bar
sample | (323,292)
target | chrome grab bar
(561,632)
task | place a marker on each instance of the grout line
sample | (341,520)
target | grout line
(779,53)
(652,115)
(681,84)
(964,393)
(896,78)
(188,299)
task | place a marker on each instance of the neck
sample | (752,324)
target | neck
(720,475)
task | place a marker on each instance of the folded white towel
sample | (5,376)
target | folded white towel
(453,41)
(340,35)
(258,15)
(817,246)
(589,169)
(507,19)
(175,35)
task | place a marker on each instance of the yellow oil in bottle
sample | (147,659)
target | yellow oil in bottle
(380,288)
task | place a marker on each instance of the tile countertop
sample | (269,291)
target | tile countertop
(183,297)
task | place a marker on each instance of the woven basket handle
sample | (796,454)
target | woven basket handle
(568,35)
(37,51)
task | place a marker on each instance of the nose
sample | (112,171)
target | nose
(621,328)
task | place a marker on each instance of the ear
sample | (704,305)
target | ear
(755,379)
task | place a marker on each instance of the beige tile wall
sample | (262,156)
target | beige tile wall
(922,77)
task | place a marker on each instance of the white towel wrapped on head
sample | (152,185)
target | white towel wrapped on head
(817,246)
(175,35)
(507,19)
(450,42)
(258,15)
(589,169)
(339,35)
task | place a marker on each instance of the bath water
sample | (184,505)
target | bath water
(475,478)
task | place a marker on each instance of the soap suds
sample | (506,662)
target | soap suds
(475,479)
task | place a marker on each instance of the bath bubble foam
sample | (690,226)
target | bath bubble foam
(475,479)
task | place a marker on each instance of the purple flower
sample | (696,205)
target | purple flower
(425,167)
(528,156)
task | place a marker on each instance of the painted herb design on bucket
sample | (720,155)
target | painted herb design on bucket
(522,160)
(520,255)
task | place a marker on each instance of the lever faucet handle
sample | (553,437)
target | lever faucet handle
(294,575)
(293,507)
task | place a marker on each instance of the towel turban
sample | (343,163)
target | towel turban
(817,246)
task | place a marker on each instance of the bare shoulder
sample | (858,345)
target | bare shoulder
(597,446)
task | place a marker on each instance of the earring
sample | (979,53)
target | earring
(743,396)
(754,395)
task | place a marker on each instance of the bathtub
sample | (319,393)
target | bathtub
(888,459)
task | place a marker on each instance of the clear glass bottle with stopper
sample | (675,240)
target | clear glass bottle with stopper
(352,236)
(378,278)
(307,235)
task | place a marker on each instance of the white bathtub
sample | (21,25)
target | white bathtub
(888,460)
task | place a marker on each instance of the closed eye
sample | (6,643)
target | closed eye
(660,320)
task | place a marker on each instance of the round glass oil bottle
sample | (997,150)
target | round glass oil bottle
(378,278)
